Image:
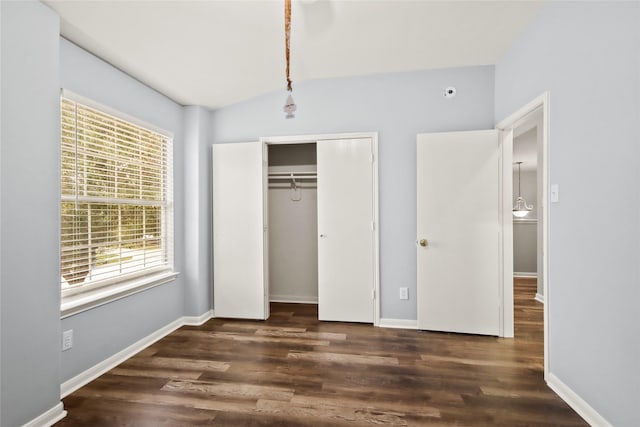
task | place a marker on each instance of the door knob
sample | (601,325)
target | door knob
(423,243)
(323,235)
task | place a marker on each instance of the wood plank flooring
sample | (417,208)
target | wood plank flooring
(293,370)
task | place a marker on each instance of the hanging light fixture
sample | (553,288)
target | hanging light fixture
(520,208)
(289,105)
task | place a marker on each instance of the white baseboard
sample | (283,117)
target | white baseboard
(398,323)
(197,320)
(109,363)
(48,418)
(293,299)
(539,298)
(524,274)
(572,399)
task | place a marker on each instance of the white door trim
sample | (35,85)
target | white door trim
(306,139)
(506,233)
(506,125)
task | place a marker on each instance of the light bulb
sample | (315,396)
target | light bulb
(289,107)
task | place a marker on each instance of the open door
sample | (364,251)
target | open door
(239,286)
(458,232)
(346,252)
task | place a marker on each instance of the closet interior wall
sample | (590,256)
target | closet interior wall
(293,223)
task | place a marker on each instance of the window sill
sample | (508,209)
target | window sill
(74,304)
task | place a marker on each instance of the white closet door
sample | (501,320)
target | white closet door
(458,224)
(238,231)
(346,239)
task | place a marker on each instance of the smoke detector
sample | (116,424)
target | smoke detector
(449,92)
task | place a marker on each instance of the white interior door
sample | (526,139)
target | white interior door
(238,231)
(458,202)
(345,226)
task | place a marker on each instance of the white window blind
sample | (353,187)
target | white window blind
(116,199)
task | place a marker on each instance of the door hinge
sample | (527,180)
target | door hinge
(371,158)
(373,294)
(373,225)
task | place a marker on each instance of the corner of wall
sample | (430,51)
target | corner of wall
(197,211)
(30,178)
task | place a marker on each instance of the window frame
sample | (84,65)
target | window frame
(84,297)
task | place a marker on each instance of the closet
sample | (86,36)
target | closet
(293,223)
(294,220)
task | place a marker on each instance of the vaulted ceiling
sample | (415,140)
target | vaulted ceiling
(214,53)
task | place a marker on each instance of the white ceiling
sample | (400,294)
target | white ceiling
(214,53)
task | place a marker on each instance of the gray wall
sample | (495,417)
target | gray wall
(197,212)
(32,366)
(587,55)
(525,255)
(398,106)
(105,330)
(30,191)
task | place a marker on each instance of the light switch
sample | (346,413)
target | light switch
(555,190)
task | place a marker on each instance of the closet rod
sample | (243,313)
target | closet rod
(294,175)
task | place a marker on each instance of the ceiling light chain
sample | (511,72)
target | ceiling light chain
(289,106)
(521,208)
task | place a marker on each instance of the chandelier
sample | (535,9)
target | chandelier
(521,208)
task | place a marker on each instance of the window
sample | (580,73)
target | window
(116,202)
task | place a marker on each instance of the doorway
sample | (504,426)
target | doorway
(436,287)
(527,235)
(534,114)
(292,199)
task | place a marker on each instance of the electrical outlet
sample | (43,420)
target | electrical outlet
(67,340)
(404,293)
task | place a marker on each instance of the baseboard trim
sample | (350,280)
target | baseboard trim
(572,399)
(197,320)
(49,417)
(398,323)
(539,298)
(293,299)
(111,362)
(524,274)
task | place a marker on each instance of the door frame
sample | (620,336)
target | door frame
(507,127)
(307,139)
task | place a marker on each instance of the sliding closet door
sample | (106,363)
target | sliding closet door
(238,231)
(345,228)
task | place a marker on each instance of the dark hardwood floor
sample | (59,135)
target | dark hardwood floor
(293,370)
